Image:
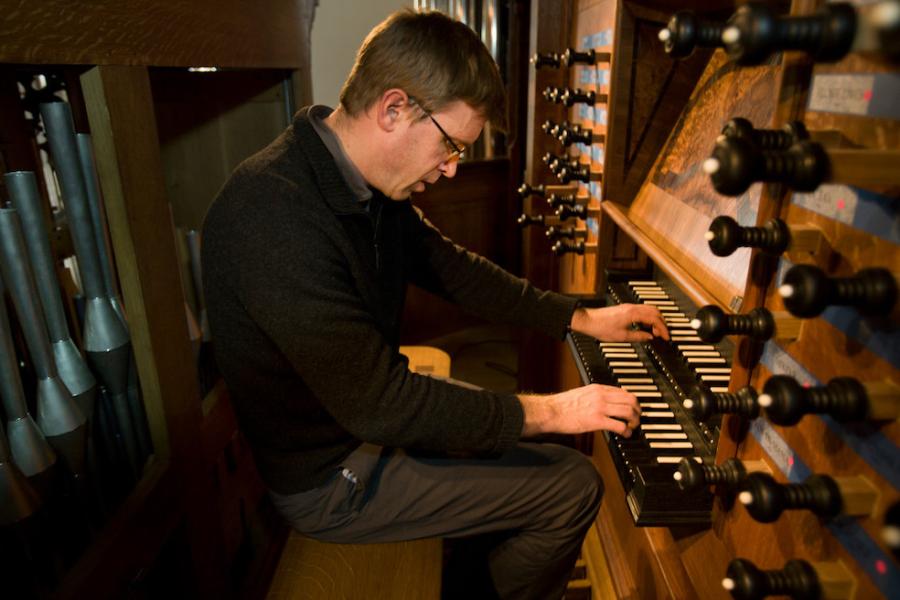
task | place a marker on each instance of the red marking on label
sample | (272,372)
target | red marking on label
(807,384)
(881,567)
(841,204)
(790,461)
(867,95)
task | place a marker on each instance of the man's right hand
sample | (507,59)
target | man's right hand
(580,410)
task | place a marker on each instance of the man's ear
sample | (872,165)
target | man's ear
(390,109)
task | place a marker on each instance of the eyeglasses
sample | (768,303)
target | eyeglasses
(453,151)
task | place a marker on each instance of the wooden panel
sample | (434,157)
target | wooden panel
(677,203)
(654,562)
(208,123)
(648,93)
(131,32)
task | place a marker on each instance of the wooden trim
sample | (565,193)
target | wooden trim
(690,286)
(264,34)
(597,567)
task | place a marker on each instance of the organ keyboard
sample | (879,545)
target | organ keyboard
(662,375)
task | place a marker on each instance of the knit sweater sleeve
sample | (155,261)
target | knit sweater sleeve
(479,286)
(293,277)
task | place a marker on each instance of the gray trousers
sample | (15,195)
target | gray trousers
(540,498)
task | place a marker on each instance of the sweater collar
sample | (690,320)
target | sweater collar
(340,182)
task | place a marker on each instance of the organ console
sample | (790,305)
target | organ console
(779,387)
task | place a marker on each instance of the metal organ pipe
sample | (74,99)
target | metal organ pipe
(59,417)
(106,340)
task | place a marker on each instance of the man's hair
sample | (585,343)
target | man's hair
(433,58)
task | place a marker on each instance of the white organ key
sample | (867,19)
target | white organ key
(654,405)
(687,353)
(647,394)
(686,338)
(671,445)
(665,436)
(715,377)
(661,427)
(665,460)
(689,347)
(614,344)
(659,302)
(703,370)
(642,283)
(620,371)
(667,309)
(706,361)
(620,354)
(658,414)
(635,388)
(625,363)
(718,390)
(629,380)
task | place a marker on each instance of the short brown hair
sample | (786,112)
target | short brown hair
(433,58)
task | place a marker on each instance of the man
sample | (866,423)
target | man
(307,253)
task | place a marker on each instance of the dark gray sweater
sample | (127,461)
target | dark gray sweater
(305,286)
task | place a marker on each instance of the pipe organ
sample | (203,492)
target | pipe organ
(737,167)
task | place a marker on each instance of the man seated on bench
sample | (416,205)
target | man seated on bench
(307,253)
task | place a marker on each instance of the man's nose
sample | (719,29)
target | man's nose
(448,168)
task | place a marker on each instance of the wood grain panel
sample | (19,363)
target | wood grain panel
(676,204)
(169,33)
(550,27)
(313,570)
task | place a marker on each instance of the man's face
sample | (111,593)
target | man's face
(424,154)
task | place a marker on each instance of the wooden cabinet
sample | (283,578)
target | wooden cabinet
(187,521)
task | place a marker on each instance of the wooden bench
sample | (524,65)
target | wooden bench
(313,570)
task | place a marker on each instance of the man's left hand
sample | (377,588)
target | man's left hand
(617,323)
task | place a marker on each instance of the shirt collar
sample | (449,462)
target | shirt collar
(347,169)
